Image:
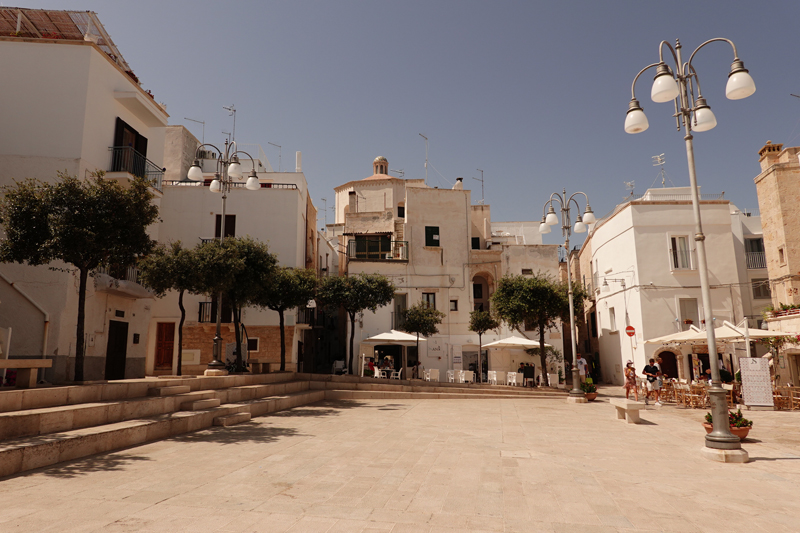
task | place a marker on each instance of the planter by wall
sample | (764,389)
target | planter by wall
(591,396)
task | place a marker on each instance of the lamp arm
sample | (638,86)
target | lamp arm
(572,199)
(197,151)
(735,53)
(252,160)
(671,49)
(633,85)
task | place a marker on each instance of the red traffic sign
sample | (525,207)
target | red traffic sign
(630,331)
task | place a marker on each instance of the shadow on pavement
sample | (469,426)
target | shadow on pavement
(240,433)
(88,465)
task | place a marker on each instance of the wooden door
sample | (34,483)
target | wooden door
(165,345)
(116,349)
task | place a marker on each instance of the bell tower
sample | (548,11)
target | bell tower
(380,165)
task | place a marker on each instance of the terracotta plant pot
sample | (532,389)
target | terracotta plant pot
(591,396)
(739,432)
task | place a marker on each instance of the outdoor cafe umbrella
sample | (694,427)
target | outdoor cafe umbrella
(392,337)
(679,337)
(516,342)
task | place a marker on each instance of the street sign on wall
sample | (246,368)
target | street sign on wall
(630,331)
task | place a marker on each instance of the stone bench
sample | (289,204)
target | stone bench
(27,370)
(627,410)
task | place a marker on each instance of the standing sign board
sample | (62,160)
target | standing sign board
(756,382)
(457,358)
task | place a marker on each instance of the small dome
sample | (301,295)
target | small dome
(380,159)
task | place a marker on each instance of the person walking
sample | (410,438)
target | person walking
(630,381)
(653,374)
(582,365)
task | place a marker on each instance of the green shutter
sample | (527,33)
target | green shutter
(432,236)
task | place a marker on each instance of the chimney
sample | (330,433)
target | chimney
(299,164)
(768,155)
(353,202)
(459,186)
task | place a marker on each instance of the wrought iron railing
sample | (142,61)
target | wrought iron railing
(377,250)
(120,272)
(755,260)
(126,159)
(208,313)
(235,184)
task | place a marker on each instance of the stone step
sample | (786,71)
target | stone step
(168,391)
(382,395)
(199,405)
(231,420)
(389,387)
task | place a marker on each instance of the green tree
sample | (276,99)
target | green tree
(537,301)
(236,268)
(355,294)
(286,289)
(421,319)
(84,223)
(480,322)
(170,268)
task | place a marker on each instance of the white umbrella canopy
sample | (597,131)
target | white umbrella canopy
(727,333)
(515,342)
(398,338)
(681,336)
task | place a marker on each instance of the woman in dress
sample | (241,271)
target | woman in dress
(630,381)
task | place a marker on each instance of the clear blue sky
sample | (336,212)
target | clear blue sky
(533,93)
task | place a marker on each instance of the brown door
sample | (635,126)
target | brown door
(165,345)
(116,349)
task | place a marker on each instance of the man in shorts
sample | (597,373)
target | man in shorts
(653,373)
(582,365)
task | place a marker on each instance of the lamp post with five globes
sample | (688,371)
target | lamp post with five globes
(227,169)
(679,85)
(576,395)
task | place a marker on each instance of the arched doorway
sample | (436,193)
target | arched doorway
(669,364)
(480,293)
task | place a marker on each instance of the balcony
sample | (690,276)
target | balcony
(208,313)
(120,280)
(377,250)
(126,159)
(755,260)
(305,316)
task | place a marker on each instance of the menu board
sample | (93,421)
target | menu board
(756,382)
(457,364)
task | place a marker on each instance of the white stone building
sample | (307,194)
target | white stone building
(639,265)
(436,247)
(71,103)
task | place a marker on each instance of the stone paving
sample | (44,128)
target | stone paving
(426,466)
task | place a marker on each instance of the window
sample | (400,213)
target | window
(761,289)
(431,235)
(252,344)
(689,313)
(477,291)
(594,325)
(527,272)
(454,305)
(230,226)
(430,299)
(401,211)
(679,252)
(476,243)
(781,256)
(612,319)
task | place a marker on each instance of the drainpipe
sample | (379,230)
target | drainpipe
(37,306)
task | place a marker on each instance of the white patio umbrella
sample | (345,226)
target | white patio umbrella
(392,337)
(515,342)
(676,338)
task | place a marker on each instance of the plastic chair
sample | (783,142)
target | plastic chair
(511,378)
(459,376)
(492,377)
(379,374)
(434,374)
(469,376)
(395,374)
(451,376)
(426,375)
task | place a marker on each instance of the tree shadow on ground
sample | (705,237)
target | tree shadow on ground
(319,409)
(88,465)
(249,432)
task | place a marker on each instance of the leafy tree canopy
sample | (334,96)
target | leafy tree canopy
(422,320)
(287,288)
(168,268)
(356,293)
(482,321)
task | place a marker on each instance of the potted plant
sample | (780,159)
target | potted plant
(590,390)
(561,384)
(688,321)
(740,426)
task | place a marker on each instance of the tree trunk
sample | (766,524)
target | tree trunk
(283,340)
(352,336)
(480,356)
(180,332)
(542,352)
(80,345)
(405,358)
(237,318)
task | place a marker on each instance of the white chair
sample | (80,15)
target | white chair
(492,377)
(451,376)
(378,373)
(469,376)
(426,375)
(511,378)
(395,374)
(434,374)
(459,376)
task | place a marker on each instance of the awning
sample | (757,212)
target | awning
(514,342)
(676,338)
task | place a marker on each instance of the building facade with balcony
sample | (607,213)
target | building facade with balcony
(280,213)
(72,104)
(437,248)
(639,266)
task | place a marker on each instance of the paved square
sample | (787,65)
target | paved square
(426,466)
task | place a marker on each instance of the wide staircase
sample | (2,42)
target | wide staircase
(43,426)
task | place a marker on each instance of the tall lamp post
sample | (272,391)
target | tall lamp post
(227,169)
(679,85)
(550,218)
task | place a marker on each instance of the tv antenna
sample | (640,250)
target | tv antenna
(426,157)
(400,172)
(228,134)
(232,112)
(659,160)
(481,180)
(279,154)
(325,200)
(203,122)
(630,185)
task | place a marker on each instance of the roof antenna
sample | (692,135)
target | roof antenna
(660,160)
(400,172)
(279,153)
(481,180)
(630,185)
(203,122)
(232,112)
(326,210)
(426,157)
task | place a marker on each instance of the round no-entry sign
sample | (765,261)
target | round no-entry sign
(630,331)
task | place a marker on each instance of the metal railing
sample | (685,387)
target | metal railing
(234,185)
(126,159)
(122,273)
(377,250)
(208,313)
(755,260)
(687,197)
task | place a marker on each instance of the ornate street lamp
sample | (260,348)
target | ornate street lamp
(679,84)
(576,395)
(228,168)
